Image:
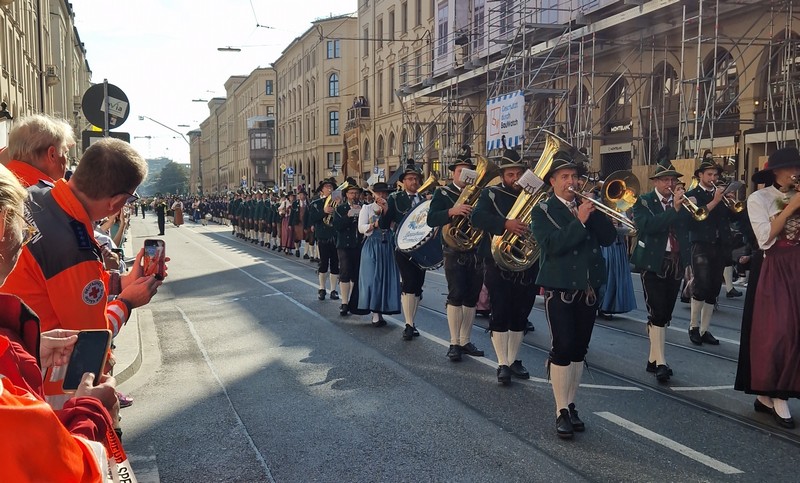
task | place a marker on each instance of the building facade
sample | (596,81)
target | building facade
(43,64)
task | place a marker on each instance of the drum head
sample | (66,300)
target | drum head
(414,229)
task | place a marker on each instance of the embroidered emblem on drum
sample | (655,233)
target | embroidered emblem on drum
(93,292)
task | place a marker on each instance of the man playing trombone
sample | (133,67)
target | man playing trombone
(660,254)
(572,269)
(709,241)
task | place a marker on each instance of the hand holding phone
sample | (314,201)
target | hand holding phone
(88,355)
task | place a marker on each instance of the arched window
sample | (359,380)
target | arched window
(392,145)
(367,154)
(333,85)
(419,142)
(379,154)
(618,107)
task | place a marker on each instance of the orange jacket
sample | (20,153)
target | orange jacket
(47,451)
(27,174)
(60,273)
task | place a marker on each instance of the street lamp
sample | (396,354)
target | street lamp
(229,49)
(142,118)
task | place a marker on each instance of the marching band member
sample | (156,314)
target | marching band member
(318,215)
(233,208)
(379,280)
(661,253)
(287,233)
(411,276)
(263,221)
(462,269)
(571,271)
(708,243)
(512,293)
(275,222)
(348,241)
(297,216)
(769,363)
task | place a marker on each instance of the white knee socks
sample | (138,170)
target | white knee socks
(705,317)
(409,302)
(500,344)
(727,275)
(514,341)
(694,318)
(334,281)
(467,319)
(560,378)
(658,337)
(322,276)
(455,319)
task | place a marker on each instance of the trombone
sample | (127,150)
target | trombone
(699,214)
(619,192)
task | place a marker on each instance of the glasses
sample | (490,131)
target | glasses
(132,197)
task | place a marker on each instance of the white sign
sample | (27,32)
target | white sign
(468,176)
(530,182)
(505,117)
(116,107)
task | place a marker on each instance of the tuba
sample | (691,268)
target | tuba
(516,253)
(429,184)
(459,234)
(329,201)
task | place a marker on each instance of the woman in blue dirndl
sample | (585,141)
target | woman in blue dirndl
(378,277)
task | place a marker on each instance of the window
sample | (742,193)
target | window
(441,31)
(392,145)
(366,85)
(333,123)
(418,67)
(333,85)
(334,160)
(404,73)
(404,17)
(391,26)
(367,155)
(379,85)
(418,12)
(334,50)
(478,21)
(268,88)
(379,34)
(379,154)
(366,41)
(391,85)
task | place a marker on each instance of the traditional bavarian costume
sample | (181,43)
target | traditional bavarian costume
(326,242)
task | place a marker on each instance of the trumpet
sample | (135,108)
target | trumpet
(735,205)
(699,214)
(619,193)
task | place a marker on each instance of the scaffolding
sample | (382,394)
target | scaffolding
(686,81)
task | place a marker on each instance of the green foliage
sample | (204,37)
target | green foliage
(174,178)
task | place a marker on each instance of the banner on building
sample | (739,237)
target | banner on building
(505,116)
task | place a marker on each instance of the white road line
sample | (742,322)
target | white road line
(239,421)
(701,388)
(671,444)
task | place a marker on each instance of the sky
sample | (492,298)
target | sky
(163,54)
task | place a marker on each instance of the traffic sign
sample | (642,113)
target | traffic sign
(290,171)
(94,106)
(283,167)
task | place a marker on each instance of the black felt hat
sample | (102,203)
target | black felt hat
(782,158)
(410,168)
(707,163)
(463,159)
(351,185)
(665,167)
(381,187)
(510,158)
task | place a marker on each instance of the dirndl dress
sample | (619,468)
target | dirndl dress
(378,276)
(616,296)
(287,234)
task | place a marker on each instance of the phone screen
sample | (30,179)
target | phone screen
(88,355)
(154,254)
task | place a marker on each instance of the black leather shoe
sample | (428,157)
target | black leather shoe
(454,353)
(663,372)
(343,309)
(564,427)
(379,323)
(297,253)
(787,423)
(408,332)
(483,313)
(414,331)
(707,338)
(577,424)
(694,336)
(470,350)
(321,294)
(334,295)
(761,407)
(651,367)
(605,315)
(503,375)
(733,293)
(519,371)
(306,257)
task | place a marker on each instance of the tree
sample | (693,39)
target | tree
(174,178)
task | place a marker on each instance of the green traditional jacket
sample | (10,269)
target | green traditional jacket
(347,235)
(570,257)
(258,212)
(490,214)
(316,218)
(398,205)
(294,212)
(233,207)
(443,199)
(653,224)
(266,211)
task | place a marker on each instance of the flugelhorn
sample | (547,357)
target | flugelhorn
(735,205)
(619,191)
(699,214)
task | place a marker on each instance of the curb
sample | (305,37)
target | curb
(128,371)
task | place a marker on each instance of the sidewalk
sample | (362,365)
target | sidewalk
(128,342)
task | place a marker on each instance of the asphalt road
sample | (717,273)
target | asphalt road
(248,377)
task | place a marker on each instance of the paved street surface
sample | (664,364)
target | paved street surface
(246,376)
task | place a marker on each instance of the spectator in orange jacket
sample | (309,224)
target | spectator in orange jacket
(60,273)
(38,148)
(67,445)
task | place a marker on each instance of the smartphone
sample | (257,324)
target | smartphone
(154,254)
(88,355)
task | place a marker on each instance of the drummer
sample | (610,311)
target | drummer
(512,293)
(412,277)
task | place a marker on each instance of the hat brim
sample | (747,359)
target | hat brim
(468,164)
(512,165)
(764,176)
(664,174)
(403,176)
(700,170)
(582,169)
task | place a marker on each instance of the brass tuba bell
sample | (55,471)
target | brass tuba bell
(459,234)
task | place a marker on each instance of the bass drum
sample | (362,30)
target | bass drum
(421,242)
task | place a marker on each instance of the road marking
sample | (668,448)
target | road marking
(239,421)
(400,323)
(671,444)
(701,388)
